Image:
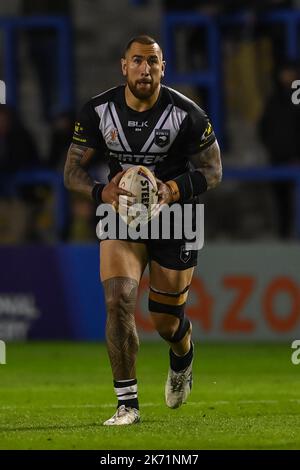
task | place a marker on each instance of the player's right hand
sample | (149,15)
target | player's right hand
(111,192)
(166,194)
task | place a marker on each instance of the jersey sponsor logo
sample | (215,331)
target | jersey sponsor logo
(141,159)
(162,137)
(137,124)
(83,141)
(206,134)
(78,131)
(78,127)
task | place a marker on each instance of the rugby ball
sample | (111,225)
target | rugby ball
(141,182)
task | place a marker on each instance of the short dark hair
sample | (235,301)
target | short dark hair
(141,39)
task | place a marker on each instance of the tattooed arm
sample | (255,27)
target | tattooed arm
(76,177)
(208,162)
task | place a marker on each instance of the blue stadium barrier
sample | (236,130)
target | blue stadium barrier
(271,174)
(51,292)
(289,18)
(49,178)
(252,174)
(10,27)
(138,3)
(11,184)
(211,78)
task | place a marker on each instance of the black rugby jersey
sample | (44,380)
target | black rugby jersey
(161,138)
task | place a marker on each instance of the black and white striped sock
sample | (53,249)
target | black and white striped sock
(126,391)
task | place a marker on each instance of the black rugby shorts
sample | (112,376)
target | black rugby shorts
(172,253)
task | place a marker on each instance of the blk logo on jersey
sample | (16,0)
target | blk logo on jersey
(162,137)
(137,124)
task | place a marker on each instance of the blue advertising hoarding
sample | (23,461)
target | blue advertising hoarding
(51,293)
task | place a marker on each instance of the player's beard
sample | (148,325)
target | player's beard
(142,94)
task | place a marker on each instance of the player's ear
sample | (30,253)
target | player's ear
(163,67)
(124,67)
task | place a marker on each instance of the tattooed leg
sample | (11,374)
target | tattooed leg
(121,335)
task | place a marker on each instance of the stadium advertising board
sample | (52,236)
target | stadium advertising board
(239,292)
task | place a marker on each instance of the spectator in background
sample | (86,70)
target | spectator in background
(81,228)
(280,133)
(17,152)
(43,50)
(17,147)
(190,42)
(82,220)
(61,133)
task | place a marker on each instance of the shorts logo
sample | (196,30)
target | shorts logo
(162,137)
(185,254)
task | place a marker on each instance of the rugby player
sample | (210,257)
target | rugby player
(145,123)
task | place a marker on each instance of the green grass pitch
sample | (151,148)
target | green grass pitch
(56,396)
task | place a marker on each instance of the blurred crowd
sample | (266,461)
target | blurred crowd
(32,202)
(257,79)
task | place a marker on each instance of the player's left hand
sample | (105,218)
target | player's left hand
(164,193)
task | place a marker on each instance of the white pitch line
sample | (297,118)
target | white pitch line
(148,405)
(246,402)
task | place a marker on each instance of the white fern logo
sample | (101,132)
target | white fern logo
(2,352)
(2,92)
